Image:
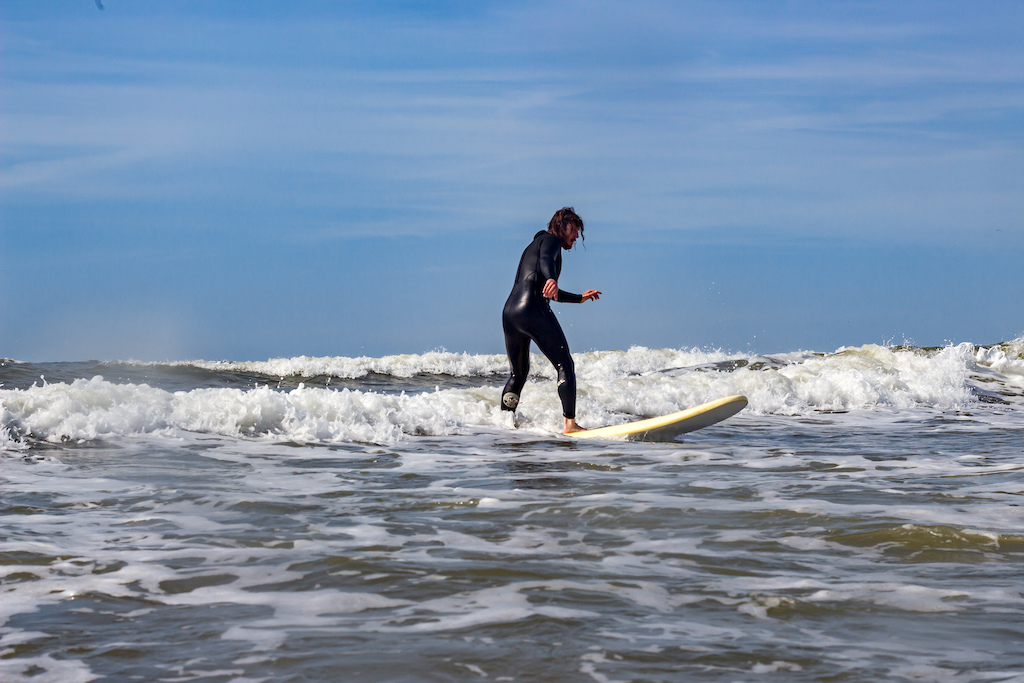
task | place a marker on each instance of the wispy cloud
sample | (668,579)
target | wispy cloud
(450,113)
(220,160)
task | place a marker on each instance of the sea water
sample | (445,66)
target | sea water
(381,519)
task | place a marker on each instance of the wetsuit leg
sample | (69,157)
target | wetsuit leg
(523,320)
(552,343)
(517,345)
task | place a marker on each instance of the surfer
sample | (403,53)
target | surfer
(527,314)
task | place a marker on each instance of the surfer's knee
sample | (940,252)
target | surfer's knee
(509,401)
(566,375)
(566,368)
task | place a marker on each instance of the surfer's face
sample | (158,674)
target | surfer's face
(570,237)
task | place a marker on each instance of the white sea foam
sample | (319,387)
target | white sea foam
(614,386)
(96,408)
(403,365)
(636,360)
(1005,359)
(723,548)
(45,669)
(8,442)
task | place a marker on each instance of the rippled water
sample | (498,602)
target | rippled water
(791,542)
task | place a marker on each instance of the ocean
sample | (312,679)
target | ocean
(380,519)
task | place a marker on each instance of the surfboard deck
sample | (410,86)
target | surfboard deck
(668,427)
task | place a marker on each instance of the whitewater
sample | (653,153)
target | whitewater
(372,519)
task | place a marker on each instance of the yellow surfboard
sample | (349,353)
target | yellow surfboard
(668,427)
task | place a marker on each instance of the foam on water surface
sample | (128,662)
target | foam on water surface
(415,544)
(614,387)
(861,520)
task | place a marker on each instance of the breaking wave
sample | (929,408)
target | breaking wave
(615,386)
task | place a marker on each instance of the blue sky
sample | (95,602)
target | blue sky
(243,180)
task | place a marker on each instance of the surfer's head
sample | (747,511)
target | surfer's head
(567,226)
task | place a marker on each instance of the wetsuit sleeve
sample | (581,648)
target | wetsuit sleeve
(569,298)
(549,265)
(548,257)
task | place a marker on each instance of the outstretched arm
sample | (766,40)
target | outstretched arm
(551,291)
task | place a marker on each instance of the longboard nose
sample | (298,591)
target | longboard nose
(667,427)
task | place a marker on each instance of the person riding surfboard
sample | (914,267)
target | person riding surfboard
(527,314)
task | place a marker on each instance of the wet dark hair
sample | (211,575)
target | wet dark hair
(564,220)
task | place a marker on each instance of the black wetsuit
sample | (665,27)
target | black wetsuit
(527,315)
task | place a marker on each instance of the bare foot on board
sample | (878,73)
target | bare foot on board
(571,426)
